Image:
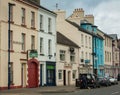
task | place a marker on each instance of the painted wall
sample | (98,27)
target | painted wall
(17,55)
(66,65)
(46,36)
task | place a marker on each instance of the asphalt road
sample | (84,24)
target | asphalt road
(111,90)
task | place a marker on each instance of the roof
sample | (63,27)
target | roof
(34,2)
(105,34)
(61,39)
(84,30)
(114,36)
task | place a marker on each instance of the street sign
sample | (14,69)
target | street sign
(33,53)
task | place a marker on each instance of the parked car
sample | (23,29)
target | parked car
(103,81)
(118,77)
(113,80)
(91,81)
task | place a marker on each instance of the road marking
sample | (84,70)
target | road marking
(115,93)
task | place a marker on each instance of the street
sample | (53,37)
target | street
(65,90)
(111,90)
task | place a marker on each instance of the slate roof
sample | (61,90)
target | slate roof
(84,30)
(114,36)
(61,39)
(38,5)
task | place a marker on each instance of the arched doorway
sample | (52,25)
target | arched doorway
(33,76)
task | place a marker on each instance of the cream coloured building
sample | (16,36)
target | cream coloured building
(115,55)
(67,61)
(79,36)
(23,38)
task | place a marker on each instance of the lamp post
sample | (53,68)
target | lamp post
(9,16)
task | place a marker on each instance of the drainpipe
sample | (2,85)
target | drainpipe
(9,16)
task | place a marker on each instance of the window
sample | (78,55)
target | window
(32,42)
(82,55)
(32,19)
(11,13)
(72,57)
(86,40)
(41,22)
(11,73)
(41,45)
(74,74)
(49,24)
(82,41)
(59,74)
(86,55)
(11,40)
(23,16)
(23,41)
(49,47)
(89,42)
(62,55)
(89,56)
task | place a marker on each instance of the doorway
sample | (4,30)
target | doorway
(64,75)
(33,76)
(23,75)
(69,77)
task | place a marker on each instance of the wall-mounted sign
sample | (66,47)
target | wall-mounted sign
(33,53)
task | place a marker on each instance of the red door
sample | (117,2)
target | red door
(32,75)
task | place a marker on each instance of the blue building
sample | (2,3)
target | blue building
(98,48)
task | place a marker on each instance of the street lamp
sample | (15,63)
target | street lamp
(9,16)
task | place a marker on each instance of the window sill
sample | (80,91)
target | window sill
(12,22)
(23,52)
(42,54)
(33,28)
(23,25)
(50,33)
(41,30)
(11,50)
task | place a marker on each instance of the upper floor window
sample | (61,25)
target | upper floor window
(62,55)
(82,55)
(86,41)
(82,40)
(72,57)
(89,42)
(23,16)
(11,40)
(11,13)
(33,19)
(49,47)
(41,22)
(23,41)
(41,45)
(49,25)
(32,42)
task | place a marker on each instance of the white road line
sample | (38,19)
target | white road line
(115,93)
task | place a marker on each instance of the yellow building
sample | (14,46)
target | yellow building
(23,38)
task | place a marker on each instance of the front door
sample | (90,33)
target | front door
(51,77)
(64,75)
(33,75)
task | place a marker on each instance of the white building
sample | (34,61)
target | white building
(67,61)
(47,46)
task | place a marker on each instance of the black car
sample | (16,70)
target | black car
(103,81)
(90,78)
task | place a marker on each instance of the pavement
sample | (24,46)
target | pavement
(39,90)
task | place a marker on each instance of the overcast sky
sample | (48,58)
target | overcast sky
(106,12)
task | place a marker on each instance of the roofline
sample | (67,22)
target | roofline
(105,34)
